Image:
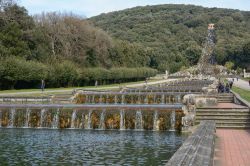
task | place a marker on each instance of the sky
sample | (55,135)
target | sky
(89,8)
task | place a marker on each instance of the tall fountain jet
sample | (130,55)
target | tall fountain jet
(207,60)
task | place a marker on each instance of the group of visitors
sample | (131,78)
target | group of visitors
(222,88)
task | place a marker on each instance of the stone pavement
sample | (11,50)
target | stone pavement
(232,148)
(241,84)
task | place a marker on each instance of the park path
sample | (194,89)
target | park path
(241,84)
(232,147)
(94,88)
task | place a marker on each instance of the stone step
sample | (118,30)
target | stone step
(233,127)
(243,109)
(222,118)
(229,123)
(222,111)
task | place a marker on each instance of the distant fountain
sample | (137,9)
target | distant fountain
(172,121)
(89,126)
(138,120)
(27,118)
(155,123)
(207,60)
(55,122)
(122,120)
(73,117)
(42,116)
(102,120)
(12,118)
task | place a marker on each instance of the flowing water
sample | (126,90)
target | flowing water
(55,122)
(12,117)
(138,121)
(86,147)
(27,118)
(73,117)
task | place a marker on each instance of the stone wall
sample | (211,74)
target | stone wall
(198,149)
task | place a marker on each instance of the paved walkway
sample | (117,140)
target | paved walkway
(241,84)
(232,147)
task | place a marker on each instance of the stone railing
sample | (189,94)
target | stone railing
(198,149)
(240,100)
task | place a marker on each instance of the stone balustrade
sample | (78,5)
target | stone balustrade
(198,149)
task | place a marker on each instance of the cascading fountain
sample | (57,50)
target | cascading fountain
(12,118)
(102,120)
(172,121)
(27,118)
(155,123)
(122,120)
(55,122)
(43,112)
(73,117)
(89,126)
(0,118)
(138,120)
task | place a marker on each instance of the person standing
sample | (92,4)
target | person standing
(249,82)
(42,85)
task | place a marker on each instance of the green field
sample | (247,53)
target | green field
(245,94)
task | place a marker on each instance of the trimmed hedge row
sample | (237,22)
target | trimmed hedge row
(18,73)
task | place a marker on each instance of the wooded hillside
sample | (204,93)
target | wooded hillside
(65,50)
(176,33)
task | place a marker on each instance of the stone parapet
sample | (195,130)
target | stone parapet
(198,149)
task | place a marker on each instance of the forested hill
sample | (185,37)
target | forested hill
(64,50)
(176,33)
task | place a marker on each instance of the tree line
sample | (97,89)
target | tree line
(65,50)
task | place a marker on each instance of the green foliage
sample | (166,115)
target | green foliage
(171,31)
(229,65)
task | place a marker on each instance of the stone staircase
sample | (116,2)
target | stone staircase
(226,114)
(225,98)
(225,117)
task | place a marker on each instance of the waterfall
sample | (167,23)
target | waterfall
(43,111)
(89,120)
(93,99)
(55,122)
(123,98)
(162,99)
(73,117)
(100,99)
(115,99)
(156,122)
(122,120)
(172,121)
(102,120)
(83,120)
(0,118)
(146,100)
(12,118)
(27,118)
(138,120)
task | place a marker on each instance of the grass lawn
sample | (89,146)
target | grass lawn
(52,91)
(245,94)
